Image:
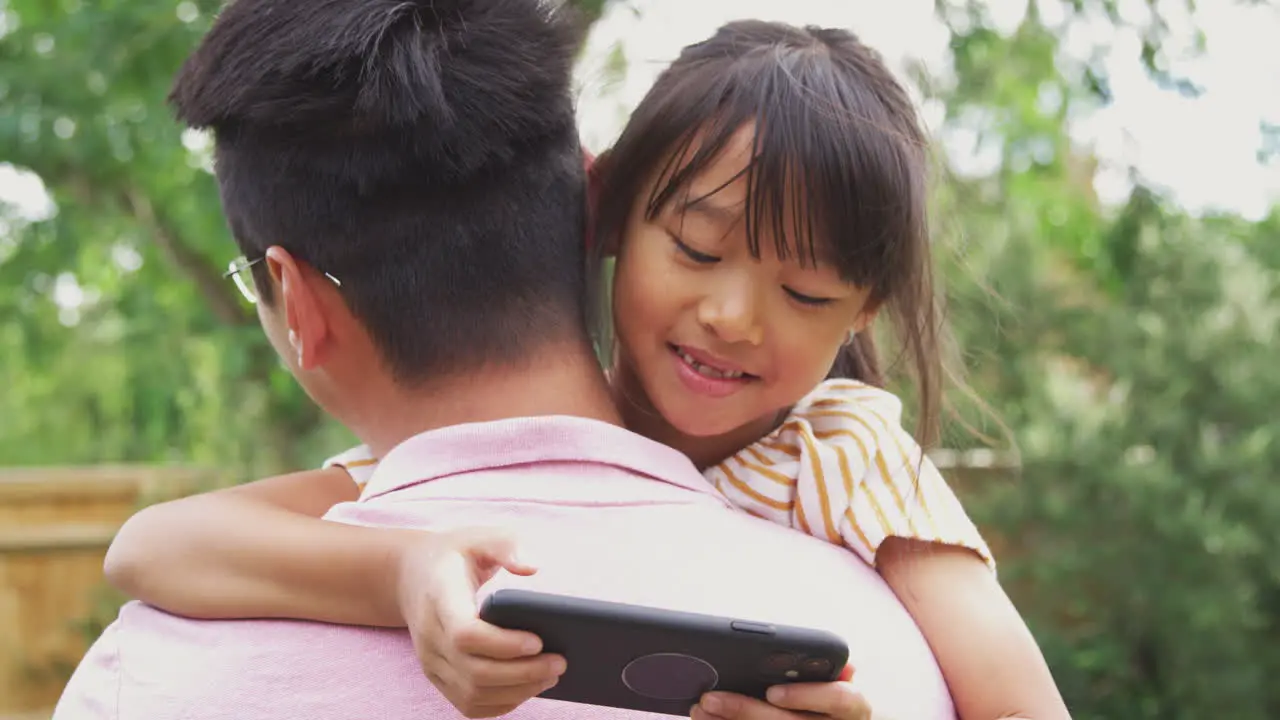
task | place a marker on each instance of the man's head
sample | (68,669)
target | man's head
(413,169)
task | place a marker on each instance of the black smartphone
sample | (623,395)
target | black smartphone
(661,661)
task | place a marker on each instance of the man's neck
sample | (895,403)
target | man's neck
(560,380)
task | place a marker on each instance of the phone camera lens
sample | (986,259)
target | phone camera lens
(816,667)
(780,663)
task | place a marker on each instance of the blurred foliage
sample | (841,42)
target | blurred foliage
(1130,349)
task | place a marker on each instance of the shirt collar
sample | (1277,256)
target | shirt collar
(473,447)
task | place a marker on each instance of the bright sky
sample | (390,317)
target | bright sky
(1202,151)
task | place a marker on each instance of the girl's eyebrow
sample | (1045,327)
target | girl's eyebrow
(725,215)
(717,213)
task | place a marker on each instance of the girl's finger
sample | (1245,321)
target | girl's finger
(508,697)
(697,713)
(477,637)
(834,699)
(728,706)
(486,673)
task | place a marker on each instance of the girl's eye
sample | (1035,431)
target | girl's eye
(694,255)
(806,299)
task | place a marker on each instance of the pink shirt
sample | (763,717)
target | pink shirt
(602,512)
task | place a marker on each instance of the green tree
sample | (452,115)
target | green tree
(1131,352)
(160,360)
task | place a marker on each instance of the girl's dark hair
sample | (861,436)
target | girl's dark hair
(839,171)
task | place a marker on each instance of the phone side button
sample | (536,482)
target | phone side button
(751,627)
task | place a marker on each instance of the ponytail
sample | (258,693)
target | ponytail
(859,361)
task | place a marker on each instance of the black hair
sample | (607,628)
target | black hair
(838,156)
(423,152)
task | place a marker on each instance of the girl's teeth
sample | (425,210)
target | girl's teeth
(708,371)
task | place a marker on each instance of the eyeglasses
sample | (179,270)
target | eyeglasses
(236,271)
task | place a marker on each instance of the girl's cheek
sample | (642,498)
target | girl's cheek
(804,354)
(631,300)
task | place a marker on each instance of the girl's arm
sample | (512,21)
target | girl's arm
(261,550)
(990,660)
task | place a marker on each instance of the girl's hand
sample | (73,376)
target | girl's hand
(836,700)
(483,670)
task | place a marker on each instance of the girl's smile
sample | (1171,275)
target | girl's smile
(705,374)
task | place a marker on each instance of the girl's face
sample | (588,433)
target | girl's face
(715,338)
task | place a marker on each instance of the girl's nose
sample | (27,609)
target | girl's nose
(729,311)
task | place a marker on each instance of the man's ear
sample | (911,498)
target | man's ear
(597,168)
(303,309)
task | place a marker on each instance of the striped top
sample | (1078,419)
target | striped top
(358,462)
(840,467)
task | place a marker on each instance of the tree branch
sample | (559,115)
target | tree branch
(216,291)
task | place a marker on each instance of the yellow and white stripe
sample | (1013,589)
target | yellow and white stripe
(842,468)
(359,463)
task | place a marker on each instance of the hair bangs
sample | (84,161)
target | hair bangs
(828,182)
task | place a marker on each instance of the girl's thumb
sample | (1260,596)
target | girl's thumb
(500,550)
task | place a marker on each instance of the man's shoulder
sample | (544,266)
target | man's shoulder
(151,664)
(523,446)
(93,691)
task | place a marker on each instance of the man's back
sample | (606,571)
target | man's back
(602,513)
